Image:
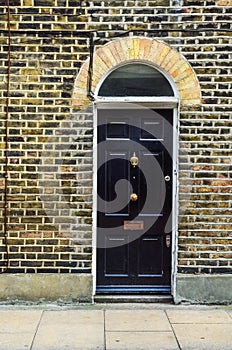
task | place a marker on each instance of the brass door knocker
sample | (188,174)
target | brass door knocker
(134,160)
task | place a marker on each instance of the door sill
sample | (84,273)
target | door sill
(133,289)
(103,298)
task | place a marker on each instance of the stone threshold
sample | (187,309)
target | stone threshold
(120,298)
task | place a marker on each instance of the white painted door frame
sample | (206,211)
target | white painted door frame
(132,102)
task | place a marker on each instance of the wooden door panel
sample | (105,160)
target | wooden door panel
(117,257)
(150,256)
(116,168)
(118,129)
(151,184)
(152,128)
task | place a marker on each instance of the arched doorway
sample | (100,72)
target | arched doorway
(150,51)
(135,111)
(162,66)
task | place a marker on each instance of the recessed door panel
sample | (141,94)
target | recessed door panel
(116,175)
(116,257)
(151,183)
(117,129)
(150,257)
(152,128)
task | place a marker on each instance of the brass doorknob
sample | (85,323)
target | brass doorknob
(133,197)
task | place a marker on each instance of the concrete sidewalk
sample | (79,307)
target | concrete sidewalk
(116,327)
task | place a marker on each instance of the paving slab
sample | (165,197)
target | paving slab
(17,328)
(72,330)
(204,336)
(17,341)
(140,341)
(198,316)
(136,320)
(19,321)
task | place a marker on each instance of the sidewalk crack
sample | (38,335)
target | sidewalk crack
(229,314)
(173,331)
(36,330)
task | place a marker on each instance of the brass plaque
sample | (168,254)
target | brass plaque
(133,225)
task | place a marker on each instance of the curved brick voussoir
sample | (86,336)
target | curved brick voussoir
(123,50)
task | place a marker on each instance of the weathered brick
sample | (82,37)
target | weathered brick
(49,44)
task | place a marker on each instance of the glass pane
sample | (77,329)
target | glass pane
(136,80)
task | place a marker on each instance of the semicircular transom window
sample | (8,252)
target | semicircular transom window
(136,80)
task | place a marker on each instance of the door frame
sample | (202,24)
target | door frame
(129,102)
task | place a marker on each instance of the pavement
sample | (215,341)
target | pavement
(115,327)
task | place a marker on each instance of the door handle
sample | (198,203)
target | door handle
(133,197)
(168,241)
(167,178)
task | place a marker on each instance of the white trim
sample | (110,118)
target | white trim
(175,201)
(94,213)
(155,103)
(160,102)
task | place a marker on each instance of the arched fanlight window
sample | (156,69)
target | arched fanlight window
(136,80)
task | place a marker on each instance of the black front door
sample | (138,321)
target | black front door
(134,200)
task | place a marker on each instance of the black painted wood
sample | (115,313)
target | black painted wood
(132,255)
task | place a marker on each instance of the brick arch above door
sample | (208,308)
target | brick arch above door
(121,51)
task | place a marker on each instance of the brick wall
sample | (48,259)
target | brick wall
(50,145)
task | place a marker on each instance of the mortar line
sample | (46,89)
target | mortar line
(36,330)
(173,331)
